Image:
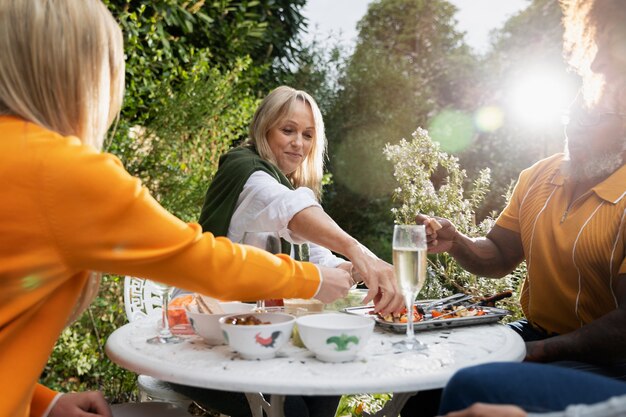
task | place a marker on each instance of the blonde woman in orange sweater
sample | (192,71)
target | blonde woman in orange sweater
(67,209)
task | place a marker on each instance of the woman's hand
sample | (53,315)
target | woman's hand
(355,278)
(489,410)
(335,284)
(379,277)
(440,233)
(81,404)
(314,225)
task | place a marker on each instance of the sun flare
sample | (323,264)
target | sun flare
(540,97)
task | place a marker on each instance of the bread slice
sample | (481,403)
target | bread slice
(208,305)
(299,306)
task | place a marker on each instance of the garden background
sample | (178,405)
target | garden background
(196,70)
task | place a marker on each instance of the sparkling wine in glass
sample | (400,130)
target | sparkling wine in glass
(409,263)
(165,333)
(268,241)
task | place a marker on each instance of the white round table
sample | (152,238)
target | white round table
(295,371)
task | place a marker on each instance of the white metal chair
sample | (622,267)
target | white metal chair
(140,301)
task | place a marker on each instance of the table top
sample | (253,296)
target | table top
(296,371)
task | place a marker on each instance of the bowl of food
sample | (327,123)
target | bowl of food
(301,306)
(335,337)
(257,335)
(354,298)
(206,324)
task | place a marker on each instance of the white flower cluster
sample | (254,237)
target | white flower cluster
(431,182)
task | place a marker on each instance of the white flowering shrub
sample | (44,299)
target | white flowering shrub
(431,182)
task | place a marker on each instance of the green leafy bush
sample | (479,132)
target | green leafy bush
(176,152)
(356,405)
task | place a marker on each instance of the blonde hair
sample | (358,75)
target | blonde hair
(61,66)
(276,107)
(582,20)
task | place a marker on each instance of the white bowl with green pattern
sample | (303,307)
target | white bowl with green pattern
(335,337)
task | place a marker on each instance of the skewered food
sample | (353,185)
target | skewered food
(458,311)
(401,317)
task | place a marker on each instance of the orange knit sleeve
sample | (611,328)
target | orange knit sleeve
(103,219)
(42,397)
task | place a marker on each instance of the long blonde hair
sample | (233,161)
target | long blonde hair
(62,68)
(278,106)
(61,65)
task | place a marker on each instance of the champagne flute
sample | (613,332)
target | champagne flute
(409,263)
(165,334)
(268,241)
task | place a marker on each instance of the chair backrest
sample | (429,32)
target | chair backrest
(140,299)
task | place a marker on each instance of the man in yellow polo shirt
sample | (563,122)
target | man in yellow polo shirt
(567,220)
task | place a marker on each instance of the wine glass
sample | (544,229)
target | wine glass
(165,334)
(409,263)
(268,241)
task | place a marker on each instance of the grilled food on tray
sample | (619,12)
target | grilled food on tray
(448,312)
(453,312)
(418,315)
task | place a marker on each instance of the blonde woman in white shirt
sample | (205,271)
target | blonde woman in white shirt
(273,183)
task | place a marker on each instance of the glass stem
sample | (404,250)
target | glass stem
(260,305)
(409,299)
(165,332)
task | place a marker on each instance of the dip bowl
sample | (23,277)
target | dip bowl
(335,337)
(257,341)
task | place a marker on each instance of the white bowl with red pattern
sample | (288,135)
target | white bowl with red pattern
(258,341)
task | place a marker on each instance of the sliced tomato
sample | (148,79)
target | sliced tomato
(436,313)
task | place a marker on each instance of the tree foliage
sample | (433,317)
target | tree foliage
(172,40)
(529,41)
(409,63)
(319,65)
(412,69)
(177,152)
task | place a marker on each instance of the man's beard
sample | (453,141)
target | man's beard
(594,167)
